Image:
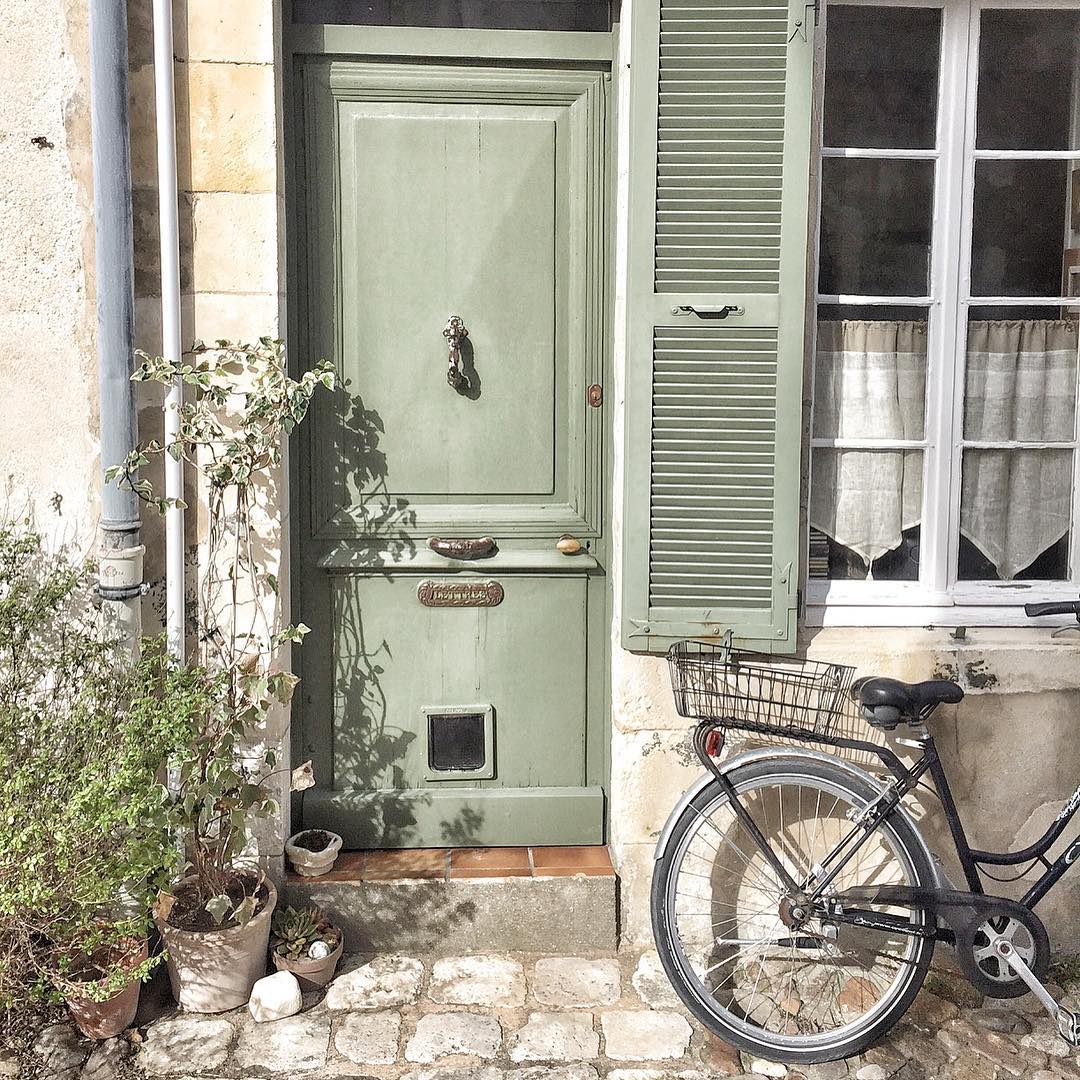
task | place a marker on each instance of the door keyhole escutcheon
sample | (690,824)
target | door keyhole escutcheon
(455,333)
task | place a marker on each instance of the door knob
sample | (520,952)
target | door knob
(568,545)
(455,333)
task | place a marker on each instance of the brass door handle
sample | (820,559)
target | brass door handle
(457,548)
(455,333)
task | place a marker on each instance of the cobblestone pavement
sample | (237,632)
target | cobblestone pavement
(542,1018)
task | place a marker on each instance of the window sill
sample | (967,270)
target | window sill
(1002,660)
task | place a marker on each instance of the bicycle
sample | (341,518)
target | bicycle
(795,904)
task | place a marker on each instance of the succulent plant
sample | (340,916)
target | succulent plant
(293,932)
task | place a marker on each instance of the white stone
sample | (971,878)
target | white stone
(274,997)
(369,1038)
(295,1044)
(651,982)
(767,1068)
(442,1034)
(173,1046)
(385,983)
(572,982)
(493,981)
(644,1035)
(555,1037)
(871,1072)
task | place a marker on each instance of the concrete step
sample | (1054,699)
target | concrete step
(446,901)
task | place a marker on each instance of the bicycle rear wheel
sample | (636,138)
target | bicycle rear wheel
(722,919)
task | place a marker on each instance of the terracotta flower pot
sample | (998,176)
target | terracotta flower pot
(214,970)
(108,1018)
(312,863)
(311,974)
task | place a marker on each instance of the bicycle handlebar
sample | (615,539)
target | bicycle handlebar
(1068,607)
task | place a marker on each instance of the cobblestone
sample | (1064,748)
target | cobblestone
(643,1035)
(385,982)
(556,1037)
(533,1017)
(369,1038)
(185,1044)
(491,981)
(442,1034)
(295,1044)
(573,983)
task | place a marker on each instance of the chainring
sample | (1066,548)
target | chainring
(987,971)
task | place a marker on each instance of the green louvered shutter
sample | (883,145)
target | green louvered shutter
(720,133)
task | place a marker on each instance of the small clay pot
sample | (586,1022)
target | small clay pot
(311,974)
(108,1018)
(312,863)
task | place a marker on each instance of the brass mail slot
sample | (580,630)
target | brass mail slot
(459,593)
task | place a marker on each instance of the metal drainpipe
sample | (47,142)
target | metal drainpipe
(120,577)
(169,237)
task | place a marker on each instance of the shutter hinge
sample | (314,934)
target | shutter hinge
(800,604)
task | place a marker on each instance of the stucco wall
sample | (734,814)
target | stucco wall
(1010,748)
(48,368)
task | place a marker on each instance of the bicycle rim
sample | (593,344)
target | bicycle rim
(786,991)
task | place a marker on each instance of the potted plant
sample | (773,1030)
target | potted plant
(215,920)
(84,844)
(313,852)
(306,943)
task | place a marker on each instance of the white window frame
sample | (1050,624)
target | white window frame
(936,598)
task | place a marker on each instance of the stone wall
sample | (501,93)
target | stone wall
(48,366)
(1010,748)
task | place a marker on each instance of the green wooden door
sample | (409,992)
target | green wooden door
(451,700)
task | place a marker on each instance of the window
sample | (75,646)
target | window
(944,449)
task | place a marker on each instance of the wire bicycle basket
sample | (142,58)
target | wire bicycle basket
(781,697)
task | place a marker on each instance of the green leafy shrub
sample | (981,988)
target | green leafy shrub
(84,728)
(241,406)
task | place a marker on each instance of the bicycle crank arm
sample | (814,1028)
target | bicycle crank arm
(1068,1023)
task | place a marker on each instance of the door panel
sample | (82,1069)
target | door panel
(433,190)
(473,235)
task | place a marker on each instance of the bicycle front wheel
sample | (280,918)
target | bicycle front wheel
(784,989)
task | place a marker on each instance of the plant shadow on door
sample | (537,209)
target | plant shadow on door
(371,742)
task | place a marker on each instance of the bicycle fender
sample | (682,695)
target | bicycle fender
(786,753)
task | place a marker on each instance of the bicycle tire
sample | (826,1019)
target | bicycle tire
(787,1049)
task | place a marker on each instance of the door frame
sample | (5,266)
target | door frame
(386,44)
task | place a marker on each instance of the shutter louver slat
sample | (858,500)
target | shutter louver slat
(727,47)
(700,489)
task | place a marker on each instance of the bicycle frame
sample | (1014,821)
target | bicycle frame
(905,779)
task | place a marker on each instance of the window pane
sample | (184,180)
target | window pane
(866,507)
(1020,383)
(870,376)
(1018,228)
(881,76)
(875,227)
(1027,67)
(1014,514)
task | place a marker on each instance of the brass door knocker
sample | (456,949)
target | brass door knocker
(455,333)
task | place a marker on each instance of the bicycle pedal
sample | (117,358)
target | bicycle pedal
(1068,1024)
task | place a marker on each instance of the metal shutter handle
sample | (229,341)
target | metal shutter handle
(709,312)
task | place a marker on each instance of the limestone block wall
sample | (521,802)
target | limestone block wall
(232,240)
(48,366)
(1010,748)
